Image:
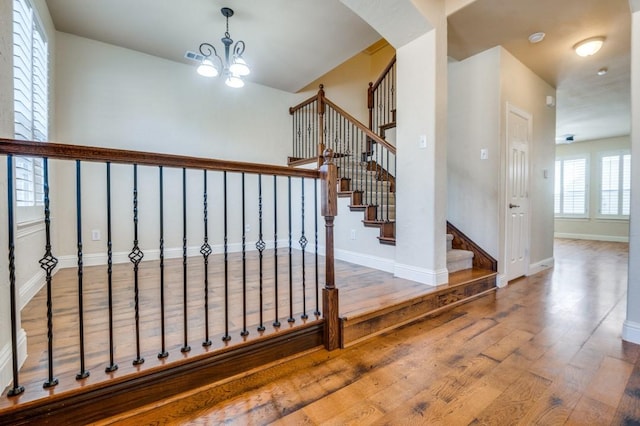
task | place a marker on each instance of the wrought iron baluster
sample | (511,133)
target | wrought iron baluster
(112,365)
(163,350)
(48,263)
(291,319)
(83,373)
(226,336)
(205,251)
(16,388)
(185,296)
(303,245)
(260,246)
(244,331)
(135,256)
(276,321)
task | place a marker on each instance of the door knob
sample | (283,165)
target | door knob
(513,206)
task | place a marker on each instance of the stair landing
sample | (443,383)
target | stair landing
(370,309)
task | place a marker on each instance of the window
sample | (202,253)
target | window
(571,187)
(615,184)
(31,98)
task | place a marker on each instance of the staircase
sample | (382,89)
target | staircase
(376,198)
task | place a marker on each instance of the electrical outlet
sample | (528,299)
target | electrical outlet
(95,235)
(247,228)
(353,234)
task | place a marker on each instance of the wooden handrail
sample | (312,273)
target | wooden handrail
(303,104)
(362,127)
(383,74)
(96,154)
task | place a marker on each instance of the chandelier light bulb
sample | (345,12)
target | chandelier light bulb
(589,46)
(239,67)
(207,69)
(234,81)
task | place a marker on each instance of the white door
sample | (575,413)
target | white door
(517,223)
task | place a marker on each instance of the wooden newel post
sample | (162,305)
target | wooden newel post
(329,210)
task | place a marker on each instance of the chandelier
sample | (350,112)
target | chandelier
(233,67)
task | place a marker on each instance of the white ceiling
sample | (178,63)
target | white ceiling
(288,43)
(589,106)
(291,43)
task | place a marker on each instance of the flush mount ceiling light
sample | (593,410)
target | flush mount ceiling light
(603,71)
(536,37)
(233,67)
(589,46)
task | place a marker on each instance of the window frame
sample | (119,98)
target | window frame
(559,177)
(31,121)
(620,153)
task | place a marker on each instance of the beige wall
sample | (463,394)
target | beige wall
(480,88)
(593,227)
(347,84)
(114,97)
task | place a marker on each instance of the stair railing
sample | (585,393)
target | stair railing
(224,285)
(381,100)
(366,162)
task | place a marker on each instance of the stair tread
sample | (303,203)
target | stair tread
(456,255)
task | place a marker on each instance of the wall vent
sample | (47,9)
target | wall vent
(193,56)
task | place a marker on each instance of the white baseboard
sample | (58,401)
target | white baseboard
(31,288)
(379,263)
(534,268)
(6,359)
(593,237)
(501,281)
(631,332)
(421,275)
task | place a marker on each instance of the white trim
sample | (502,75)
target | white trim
(631,332)
(592,237)
(97,259)
(543,265)
(6,362)
(379,263)
(501,281)
(31,287)
(29,227)
(421,275)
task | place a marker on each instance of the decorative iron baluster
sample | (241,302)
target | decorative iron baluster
(226,336)
(315,214)
(244,331)
(112,365)
(185,346)
(260,246)
(48,264)
(303,245)
(83,374)
(163,349)
(276,321)
(205,251)
(291,319)
(16,389)
(135,256)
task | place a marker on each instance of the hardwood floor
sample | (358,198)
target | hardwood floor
(544,350)
(362,289)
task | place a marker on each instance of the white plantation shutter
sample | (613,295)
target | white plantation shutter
(570,189)
(31,98)
(615,184)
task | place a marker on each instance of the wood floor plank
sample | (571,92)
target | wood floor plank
(515,401)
